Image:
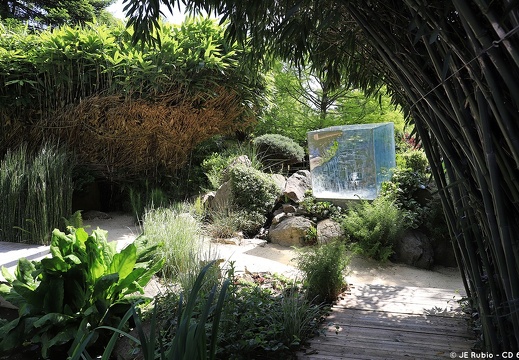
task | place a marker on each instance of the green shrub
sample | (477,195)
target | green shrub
(277,150)
(415,160)
(195,335)
(214,165)
(374,227)
(319,210)
(253,190)
(406,190)
(36,192)
(265,323)
(83,285)
(323,267)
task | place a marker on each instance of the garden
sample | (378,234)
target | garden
(195,145)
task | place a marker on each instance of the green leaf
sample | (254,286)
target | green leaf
(103,284)
(123,262)
(54,264)
(7,275)
(23,271)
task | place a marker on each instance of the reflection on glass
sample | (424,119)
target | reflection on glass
(351,161)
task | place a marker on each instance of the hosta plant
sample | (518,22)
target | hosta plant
(86,283)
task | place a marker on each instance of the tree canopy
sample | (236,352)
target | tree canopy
(42,13)
(453,66)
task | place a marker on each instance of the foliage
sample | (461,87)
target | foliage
(300,101)
(143,198)
(374,227)
(214,165)
(265,322)
(323,267)
(408,192)
(449,65)
(253,190)
(41,13)
(415,160)
(179,233)
(127,100)
(36,192)
(84,284)
(195,333)
(319,210)
(228,222)
(276,150)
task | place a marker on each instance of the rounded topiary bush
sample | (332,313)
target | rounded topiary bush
(254,194)
(252,189)
(277,150)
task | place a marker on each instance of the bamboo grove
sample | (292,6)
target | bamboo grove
(124,109)
(453,65)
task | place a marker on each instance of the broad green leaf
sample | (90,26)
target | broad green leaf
(23,271)
(7,275)
(54,264)
(54,293)
(123,262)
(103,284)
(81,237)
(52,319)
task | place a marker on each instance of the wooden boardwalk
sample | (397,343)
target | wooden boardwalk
(391,322)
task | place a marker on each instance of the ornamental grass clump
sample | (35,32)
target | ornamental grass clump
(181,236)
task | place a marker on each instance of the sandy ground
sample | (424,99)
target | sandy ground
(255,256)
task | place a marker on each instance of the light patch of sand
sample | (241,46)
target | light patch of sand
(251,257)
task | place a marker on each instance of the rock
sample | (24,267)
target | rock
(291,231)
(444,252)
(297,184)
(94,214)
(289,209)
(328,230)
(240,160)
(222,198)
(280,181)
(278,218)
(415,249)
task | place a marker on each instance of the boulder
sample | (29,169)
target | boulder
(240,160)
(223,196)
(328,230)
(297,185)
(291,231)
(281,181)
(415,249)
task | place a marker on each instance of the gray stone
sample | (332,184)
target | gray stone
(223,197)
(94,214)
(328,230)
(240,160)
(289,209)
(415,249)
(291,231)
(278,218)
(297,185)
(280,181)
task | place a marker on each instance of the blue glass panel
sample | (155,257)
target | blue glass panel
(351,161)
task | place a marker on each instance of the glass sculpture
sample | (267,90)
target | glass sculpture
(351,161)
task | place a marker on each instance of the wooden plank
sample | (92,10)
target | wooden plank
(367,324)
